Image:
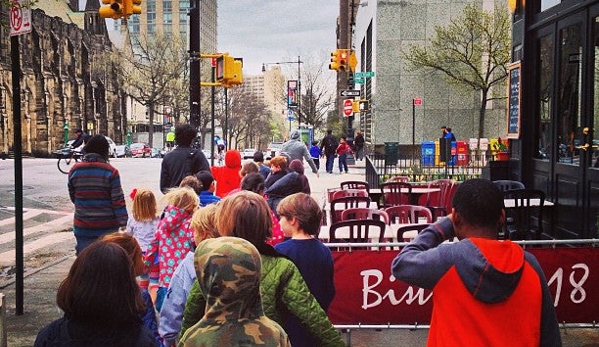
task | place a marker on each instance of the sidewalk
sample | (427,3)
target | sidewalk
(40,295)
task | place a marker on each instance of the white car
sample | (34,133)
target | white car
(112,147)
(274,149)
(248,153)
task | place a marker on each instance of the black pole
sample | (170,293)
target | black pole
(17,148)
(226,132)
(212,133)
(194,64)
(299,87)
(413,123)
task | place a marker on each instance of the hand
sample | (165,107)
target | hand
(317,174)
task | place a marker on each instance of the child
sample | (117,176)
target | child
(207,194)
(131,246)
(300,219)
(204,227)
(315,153)
(342,150)
(254,182)
(192,182)
(174,236)
(142,225)
(296,165)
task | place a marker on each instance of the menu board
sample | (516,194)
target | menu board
(513,109)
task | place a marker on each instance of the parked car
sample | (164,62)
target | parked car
(123,151)
(248,153)
(158,152)
(112,147)
(274,149)
(140,150)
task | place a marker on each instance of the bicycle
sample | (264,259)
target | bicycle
(66,157)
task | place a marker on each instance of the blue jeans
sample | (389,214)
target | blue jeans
(330,161)
(83,242)
(343,163)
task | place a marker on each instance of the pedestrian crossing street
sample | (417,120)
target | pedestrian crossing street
(45,232)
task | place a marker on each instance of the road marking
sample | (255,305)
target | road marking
(48,226)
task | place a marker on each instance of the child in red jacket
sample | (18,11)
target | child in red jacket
(342,151)
(227,177)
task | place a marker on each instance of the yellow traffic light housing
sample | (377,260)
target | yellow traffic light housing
(229,70)
(361,105)
(356,106)
(114,10)
(132,7)
(334,65)
(343,60)
(236,77)
(353,61)
(220,67)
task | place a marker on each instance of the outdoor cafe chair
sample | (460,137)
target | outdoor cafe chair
(347,202)
(504,185)
(399,233)
(440,205)
(365,213)
(392,193)
(349,192)
(355,185)
(403,214)
(357,231)
(527,214)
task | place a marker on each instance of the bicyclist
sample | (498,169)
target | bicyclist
(81,139)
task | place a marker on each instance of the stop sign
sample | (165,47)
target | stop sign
(348,107)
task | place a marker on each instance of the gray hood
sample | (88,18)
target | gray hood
(295,135)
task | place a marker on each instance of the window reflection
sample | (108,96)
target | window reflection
(595,139)
(569,100)
(545,83)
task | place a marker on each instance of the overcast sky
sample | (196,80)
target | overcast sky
(271,31)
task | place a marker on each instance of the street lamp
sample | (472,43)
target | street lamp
(299,83)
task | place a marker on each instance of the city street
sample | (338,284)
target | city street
(48,211)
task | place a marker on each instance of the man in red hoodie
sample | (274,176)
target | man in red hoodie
(486,292)
(227,177)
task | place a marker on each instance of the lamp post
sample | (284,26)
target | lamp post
(299,83)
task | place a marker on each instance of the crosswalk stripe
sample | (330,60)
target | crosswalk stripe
(8,258)
(9,237)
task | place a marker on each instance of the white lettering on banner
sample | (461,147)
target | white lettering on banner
(368,291)
(578,294)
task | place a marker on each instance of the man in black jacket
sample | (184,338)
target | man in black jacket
(183,160)
(328,147)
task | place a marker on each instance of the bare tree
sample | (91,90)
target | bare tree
(472,52)
(153,70)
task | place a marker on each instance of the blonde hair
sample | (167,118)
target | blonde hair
(183,197)
(203,223)
(144,205)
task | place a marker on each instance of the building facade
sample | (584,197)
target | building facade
(556,44)
(382,30)
(64,85)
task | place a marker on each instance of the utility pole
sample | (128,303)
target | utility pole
(194,64)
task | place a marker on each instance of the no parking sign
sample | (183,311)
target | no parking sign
(20,17)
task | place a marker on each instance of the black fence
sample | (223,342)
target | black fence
(423,168)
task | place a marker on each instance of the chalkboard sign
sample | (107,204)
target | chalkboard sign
(513,109)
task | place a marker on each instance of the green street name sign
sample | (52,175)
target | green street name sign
(366,74)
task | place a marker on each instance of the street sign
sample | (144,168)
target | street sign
(417,101)
(348,107)
(20,18)
(350,93)
(359,80)
(364,74)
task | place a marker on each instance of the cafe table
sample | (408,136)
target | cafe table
(376,193)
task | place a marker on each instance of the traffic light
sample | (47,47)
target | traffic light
(229,70)
(132,7)
(114,10)
(361,105)
(356,106)
(334,65)
(221,65)
(353,61)
(343,60)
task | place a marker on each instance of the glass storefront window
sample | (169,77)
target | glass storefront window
(569,96)
(595,138)
(545,84)
(547,4)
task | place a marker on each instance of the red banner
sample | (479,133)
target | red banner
(367,293)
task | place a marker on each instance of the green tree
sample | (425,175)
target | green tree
(472,53)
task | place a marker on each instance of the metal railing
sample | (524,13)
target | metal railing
(381,167)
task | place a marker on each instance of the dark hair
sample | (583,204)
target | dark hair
(78,130)
(192,182)
(303,207)
(205,178)
(99,145)
(480,203)
(254,182)
(184,134)
(258,157)
(329,131)
(297,166)
(314,143)
(100,288)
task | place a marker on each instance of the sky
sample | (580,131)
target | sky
(271,31)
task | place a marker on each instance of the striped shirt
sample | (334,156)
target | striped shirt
(95,189)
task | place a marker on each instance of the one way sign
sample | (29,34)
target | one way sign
(350,93)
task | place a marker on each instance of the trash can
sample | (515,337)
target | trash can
(391,153)
(427,151)
(462,149)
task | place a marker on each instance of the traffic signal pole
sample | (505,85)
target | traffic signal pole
(194,64)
